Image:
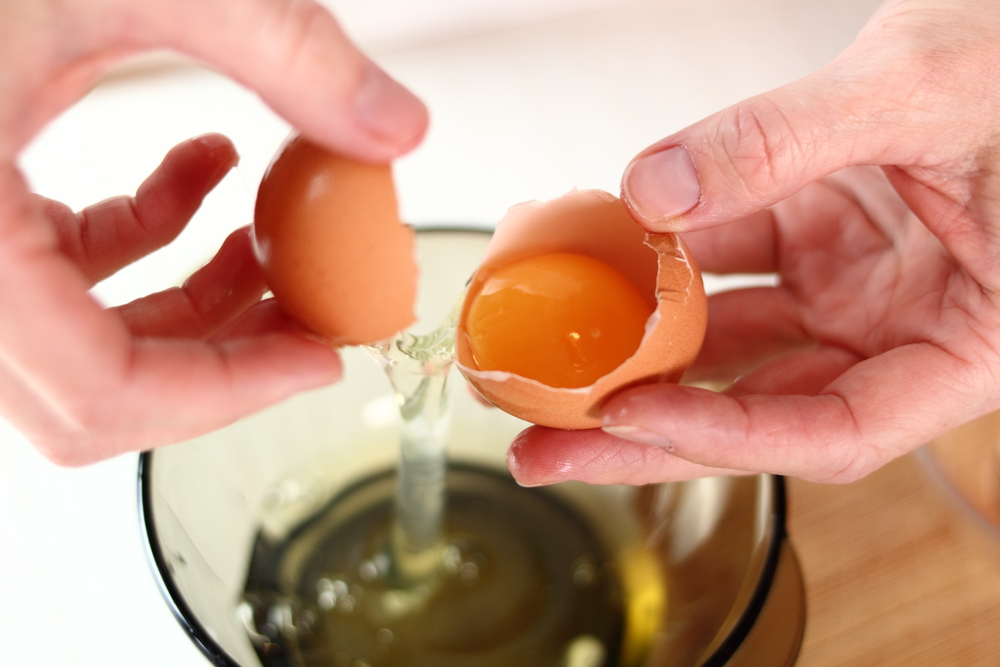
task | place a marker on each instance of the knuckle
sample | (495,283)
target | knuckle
(93,418)
(852,451)
(308,32)
(88,431)
(65,453)
(67,448)
(302,18)
(850,472)
(847,462)
(761,145)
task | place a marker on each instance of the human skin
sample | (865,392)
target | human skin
(872,189)
(84,383)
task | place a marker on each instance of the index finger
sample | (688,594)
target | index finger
(104,237)
(876,410)
(748,245)
(292,53)
(295,55)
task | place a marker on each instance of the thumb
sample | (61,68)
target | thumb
(764,149)
(296,56)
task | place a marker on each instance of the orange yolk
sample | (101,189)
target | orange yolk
(564,320)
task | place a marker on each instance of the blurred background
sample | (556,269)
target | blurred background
(528,99)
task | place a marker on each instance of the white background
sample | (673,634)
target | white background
(529,98)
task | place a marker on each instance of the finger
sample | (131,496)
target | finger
(22,406)
(749,245)
(964,224)
(101,391)
(875,411)
(540,456)
(261,318)
(548,456)
(805,372)
(174,390)
(103,238)
(297,57)
(207,301)
(858,110)
(746,328)
(851,212)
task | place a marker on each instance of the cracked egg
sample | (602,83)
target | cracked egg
(335,254)
(573,302)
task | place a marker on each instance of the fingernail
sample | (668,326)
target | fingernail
(213,145)
(662,185)
(387,109)
(636,434)
(214,141)
(514,463)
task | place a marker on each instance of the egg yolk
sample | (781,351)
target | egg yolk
(562,319)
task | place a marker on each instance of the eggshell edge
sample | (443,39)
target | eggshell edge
(601,228)
(393,241)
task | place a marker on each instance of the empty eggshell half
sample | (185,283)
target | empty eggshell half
(595,224)
(335,255)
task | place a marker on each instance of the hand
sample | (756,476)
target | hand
(884,330)
(84,383)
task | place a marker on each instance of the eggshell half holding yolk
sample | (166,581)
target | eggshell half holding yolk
(335,255)
(594,224)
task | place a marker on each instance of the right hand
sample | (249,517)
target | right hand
(84,383)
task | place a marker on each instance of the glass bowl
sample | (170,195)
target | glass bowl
(727,583)
(965,464)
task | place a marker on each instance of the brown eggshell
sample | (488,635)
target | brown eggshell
(595,224)
(334,252)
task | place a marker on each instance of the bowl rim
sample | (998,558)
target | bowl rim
(948,487)
(219,657)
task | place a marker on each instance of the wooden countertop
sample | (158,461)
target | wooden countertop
(894,575)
